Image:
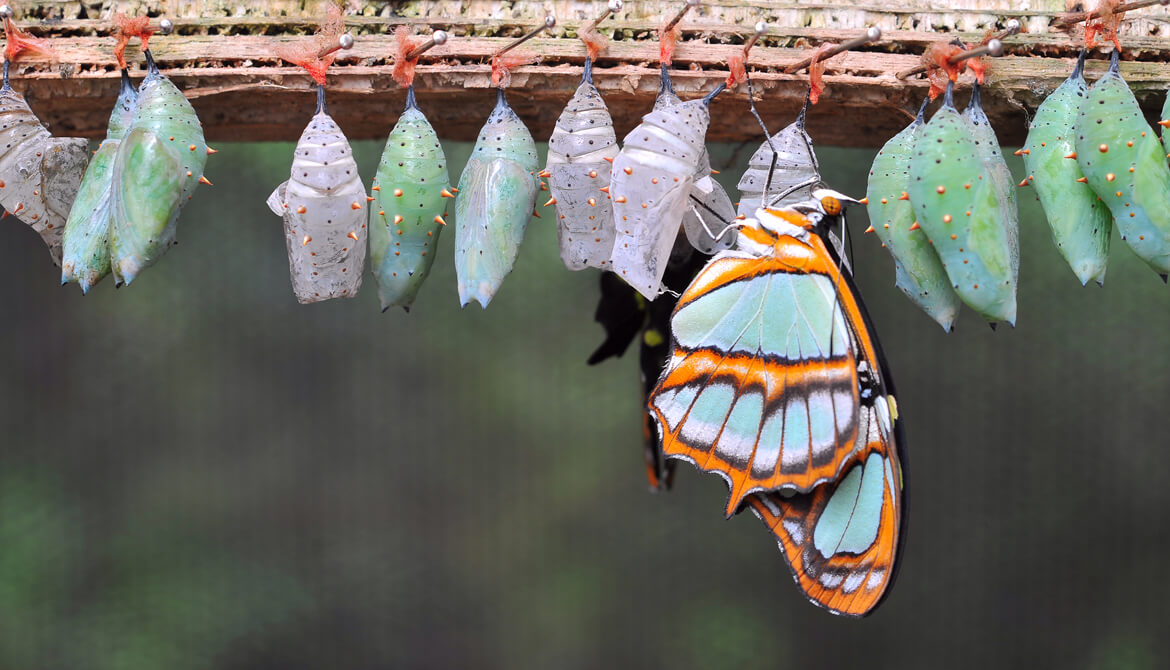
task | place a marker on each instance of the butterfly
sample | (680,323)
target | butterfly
(777,383)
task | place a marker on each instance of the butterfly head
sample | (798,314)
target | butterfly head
(815,214)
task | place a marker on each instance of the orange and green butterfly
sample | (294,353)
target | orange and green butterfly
(777,383)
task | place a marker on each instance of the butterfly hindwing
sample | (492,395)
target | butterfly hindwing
(762,385)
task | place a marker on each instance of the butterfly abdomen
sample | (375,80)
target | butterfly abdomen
(1125,164)
(408,206)
(323,204)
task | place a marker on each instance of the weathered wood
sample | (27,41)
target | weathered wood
(222,56)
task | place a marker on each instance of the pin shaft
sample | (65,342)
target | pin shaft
(679,16)
(549,22)
(436,38)
(843,46)
(1077,17)
(1013,27)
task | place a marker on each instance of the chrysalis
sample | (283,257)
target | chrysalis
(960,208)
(1080,222)
(87,232)
(918,272)
(39,173)
(410,191)
(497,195)
(1125,164)
(987,145)
(158,165)
(794,172)
(323,205)
(710,208)
(579,154)
(651,184)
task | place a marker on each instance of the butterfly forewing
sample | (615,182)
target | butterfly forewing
(763,382)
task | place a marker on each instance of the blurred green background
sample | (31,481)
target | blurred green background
(197,472)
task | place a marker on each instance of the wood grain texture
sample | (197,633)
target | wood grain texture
(222,56)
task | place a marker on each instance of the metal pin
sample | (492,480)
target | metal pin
(343,42)
(761,30)
(1077,17)
(549,22)
(994,47)
(437,38)
(164,27)
(872,35)
(681,13)
(5,12)
(613,7)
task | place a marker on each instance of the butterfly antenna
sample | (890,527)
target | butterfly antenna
(767,136)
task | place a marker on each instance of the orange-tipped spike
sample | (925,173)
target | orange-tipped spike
(305,240)
(545,174)
(915,226)
(543,186)
(446,194)
(610,160)
(869,230)
(620,198)
(398,219)
(604,189)
(211,151)
(1164,123)
(551,201)
(376,188)
(355,205)
(864,201)
(1073,155)
(904,196)
(1023,183)
(203,180)
(454,190)
(716,172)
(1083,180)
(439,220)
(536,213)
(353,236)
(741,217)
(369,198)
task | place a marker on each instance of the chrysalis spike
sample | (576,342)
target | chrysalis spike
(921,118)
(411,103)
(6,87)
(803,115)
(1079,68)
(320,99)
(127,85)
(949,95)
(711,96)
(587,73)
(665,84)
(151,66)
(1115,63)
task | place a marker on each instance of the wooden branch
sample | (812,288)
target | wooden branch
(242,92)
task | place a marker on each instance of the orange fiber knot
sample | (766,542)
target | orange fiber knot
(667,40)
(594,41)
(737,66)
(21,43)
(403,71)
(502,67)
(816,72)
(938,67)
(305,53)
(128,27)
(1104,24)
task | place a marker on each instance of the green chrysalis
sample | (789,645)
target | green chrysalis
(158,165)
(1125,164)
(86,243)
(918,272)
(961,210)
(989,152)
(497,195)
(1080,222)
(409,205)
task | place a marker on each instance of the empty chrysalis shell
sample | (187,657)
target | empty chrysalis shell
(1125,163)
(959,206)
(710,210)
(39,173)
(323,204)
(408,208)
(794,173)
(918,272)
(497,195)
(1080,222)
(651,183)
(86,243)
(989,152)
(159,164)
(578,169)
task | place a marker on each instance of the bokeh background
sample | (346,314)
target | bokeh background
(196,472)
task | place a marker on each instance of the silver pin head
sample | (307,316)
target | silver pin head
(616,5)
(550,21)
(1014,24)
(439,37)
(345,41)
(873,34)
(5,12)
(694,3)
(762,27)
(995,48)
(166,26)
